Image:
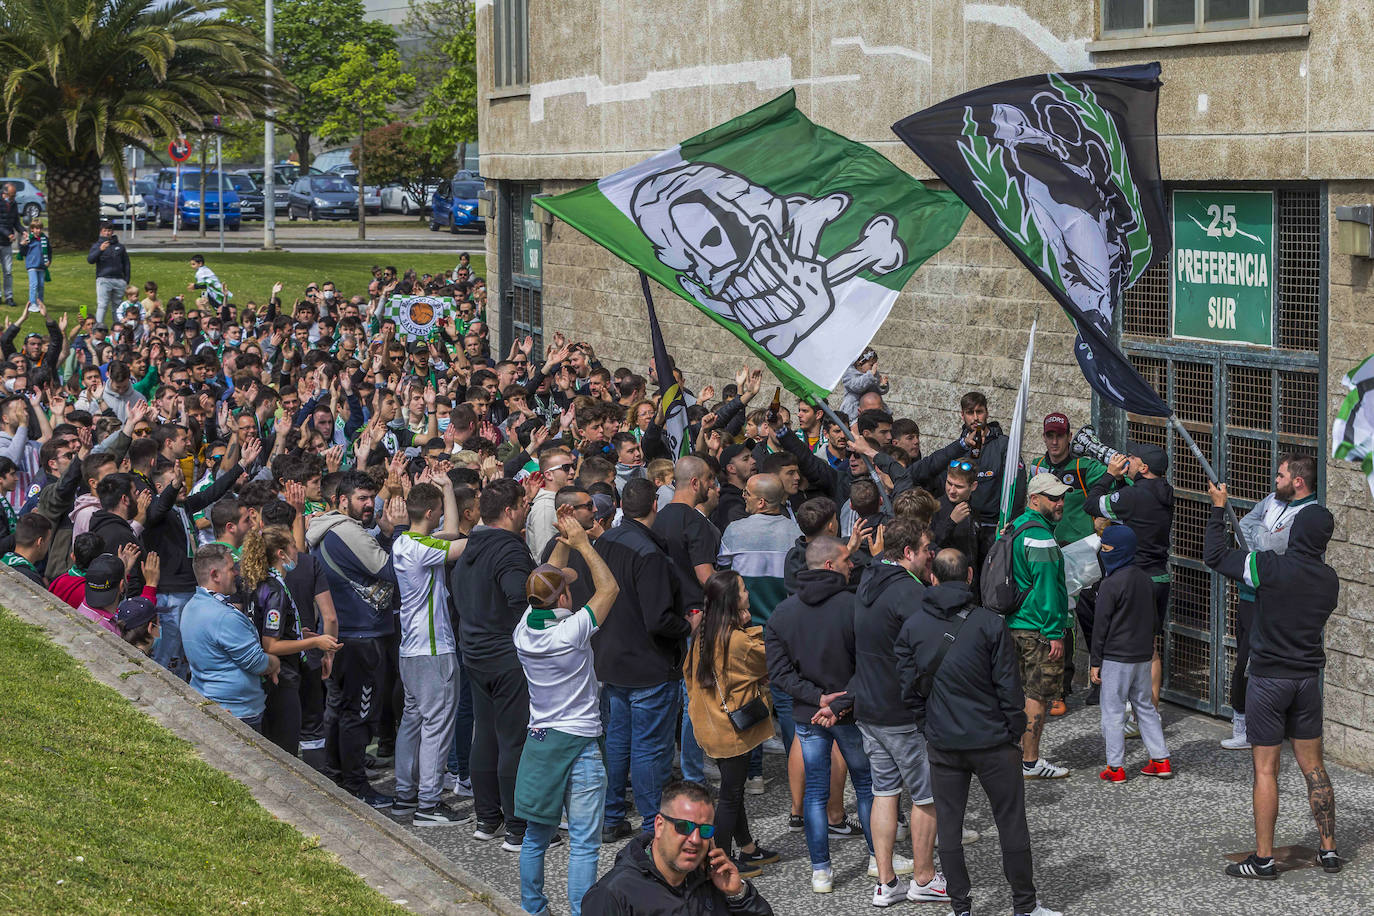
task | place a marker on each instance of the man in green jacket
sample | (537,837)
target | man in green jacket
(1038,625)
(1078,472)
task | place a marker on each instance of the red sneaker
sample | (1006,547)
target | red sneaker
(1160,768)
(1112,774)
(1058,708)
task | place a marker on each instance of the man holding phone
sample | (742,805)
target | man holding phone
(679,869)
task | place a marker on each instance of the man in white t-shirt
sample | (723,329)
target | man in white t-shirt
(561,766)
(429,654)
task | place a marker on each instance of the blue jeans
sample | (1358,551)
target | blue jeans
(35,283)
(253,722)
(584,799)
(169,654)
(816,741)
(692,758)
(462,731)
(782,705)
(639,722)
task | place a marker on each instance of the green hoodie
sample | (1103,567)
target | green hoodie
(1080,473)
(1038,567)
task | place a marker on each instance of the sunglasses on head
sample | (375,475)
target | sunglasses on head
(685,827)
(961,465)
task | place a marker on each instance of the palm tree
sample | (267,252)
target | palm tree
(87,78)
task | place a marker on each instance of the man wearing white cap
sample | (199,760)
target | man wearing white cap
(1039,624)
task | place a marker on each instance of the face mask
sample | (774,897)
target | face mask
(443,423)
(287,567)
(329,294)
(157,644)
(213,335)
(9,384)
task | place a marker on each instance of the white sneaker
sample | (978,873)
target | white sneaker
(934,889)
(459,787)
(1042,910)
(774,746)
(888,894)
(822,880)
(755,785)
(903,831)
(1238,740)
(971,836)
(1131,728)
(1043,769)
(901,865)
(450,780)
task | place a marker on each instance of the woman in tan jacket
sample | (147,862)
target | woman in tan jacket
(726,670)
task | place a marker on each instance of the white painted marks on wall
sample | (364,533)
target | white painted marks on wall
(879,50)
(774,73)
(1203,103)
(1065,53)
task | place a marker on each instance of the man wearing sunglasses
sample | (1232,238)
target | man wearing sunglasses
(557,467)
(679,869)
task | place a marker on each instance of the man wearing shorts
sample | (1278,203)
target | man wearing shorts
(1038,625)
(1295,592)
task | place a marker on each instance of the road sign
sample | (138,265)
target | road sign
(1223,266)
(179,150)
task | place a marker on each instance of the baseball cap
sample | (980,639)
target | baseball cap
(1056,423)
(547,582)
(603,507)
(102,579)
(134,613)
(1047,484)
(731,452)
(1152,455)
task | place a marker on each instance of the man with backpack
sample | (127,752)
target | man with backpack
(1040,618)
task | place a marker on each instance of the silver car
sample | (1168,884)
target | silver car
(32,202)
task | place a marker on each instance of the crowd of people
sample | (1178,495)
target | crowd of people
(489,568)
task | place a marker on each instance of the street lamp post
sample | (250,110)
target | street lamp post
(269,172)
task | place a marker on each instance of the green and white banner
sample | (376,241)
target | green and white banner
(793,237)
(418,317)
(1352,434)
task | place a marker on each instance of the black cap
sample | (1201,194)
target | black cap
(731,452)
(417,346)
(102,579)
(134,613)
(1153,456)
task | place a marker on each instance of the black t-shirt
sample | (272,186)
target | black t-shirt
(692,540)
(305,582)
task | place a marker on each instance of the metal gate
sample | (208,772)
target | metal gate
(1257,402)
(520,249)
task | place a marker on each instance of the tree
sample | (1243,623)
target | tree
(450,108)
(308,39)
(396,154)
(431,24)
(86,78)
(356,95)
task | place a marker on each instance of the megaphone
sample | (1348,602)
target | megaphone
(1087,444)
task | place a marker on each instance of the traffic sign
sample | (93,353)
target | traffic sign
(179,150)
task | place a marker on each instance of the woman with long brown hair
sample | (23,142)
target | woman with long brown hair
(726,675)
(267,557)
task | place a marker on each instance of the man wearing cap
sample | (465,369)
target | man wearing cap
(1079,472)
(136,621)
(1148,508)
(561,767)
(736,467)
(1038,625)
(104,589)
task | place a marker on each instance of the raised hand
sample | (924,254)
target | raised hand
(152,569)
(294,493)
(333,457)
(396,511)
(142,501)
(249,452)
(128,554)
(707,394)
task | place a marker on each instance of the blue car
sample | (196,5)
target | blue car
(180,198)
(454,205)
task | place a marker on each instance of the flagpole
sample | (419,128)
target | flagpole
(1211,475)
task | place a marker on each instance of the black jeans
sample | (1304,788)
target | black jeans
(732,823)
(999,772)
(281,718)
(1245,619)
(392,694)
(312,717)
(501,718)
(1084,610)
(350,708)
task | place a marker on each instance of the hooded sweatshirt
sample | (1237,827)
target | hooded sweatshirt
(1124,621)
(810,642)
(887,595)
(976,700)
(1295,592)
(488,585)
(352,558)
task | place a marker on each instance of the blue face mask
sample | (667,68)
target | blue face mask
(157,644)
(287,567)
(443,423)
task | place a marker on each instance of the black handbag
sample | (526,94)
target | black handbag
(748,715)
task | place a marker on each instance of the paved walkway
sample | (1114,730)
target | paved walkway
(1147,847)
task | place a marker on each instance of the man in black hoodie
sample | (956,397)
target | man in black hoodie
(1295,593)
(970,708)
(488,585)
(889,592)
(736,467)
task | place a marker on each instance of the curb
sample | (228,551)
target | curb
(399,866)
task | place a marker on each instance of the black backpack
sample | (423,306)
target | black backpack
(998,580)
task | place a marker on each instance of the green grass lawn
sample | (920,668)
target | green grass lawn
(106,812)
(249,274)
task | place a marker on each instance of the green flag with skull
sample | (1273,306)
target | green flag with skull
(793,237)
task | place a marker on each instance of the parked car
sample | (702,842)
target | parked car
(180,198)
(347,170)
(281,184)
(147,192)
(454,205)
(322,197)
(116,209)
(251,200)
(32,202)
(396,199)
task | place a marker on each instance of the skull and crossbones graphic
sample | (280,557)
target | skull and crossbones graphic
(753,256)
